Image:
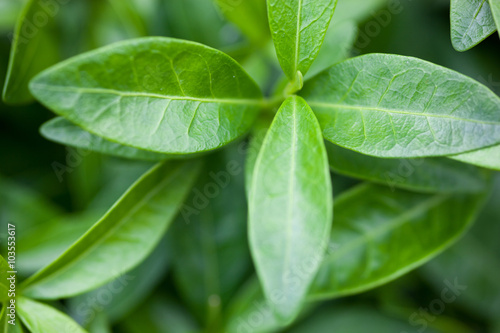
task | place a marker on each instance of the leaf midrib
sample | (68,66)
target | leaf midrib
(81,90)
(297,39)
(286,269)
(88,250)
(408,113)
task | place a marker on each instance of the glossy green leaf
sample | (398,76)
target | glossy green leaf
(122,238)
(495,10)
(395,106)
(487,158)
(250,16)
(171,96)
(298,28)
(5,327)
(393,233)
(33,49)
(211,237)
(65,132)
(471,23)
(426,175)
(290,213)
(337,45)
(41,318)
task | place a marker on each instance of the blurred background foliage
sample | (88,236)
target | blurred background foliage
(54,193)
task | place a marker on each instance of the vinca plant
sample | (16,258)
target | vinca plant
(243,166)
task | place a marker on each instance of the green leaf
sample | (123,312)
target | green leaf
(298,28)
(427,175)
(395,106)
(33,49)
(250,16)
(290,213)
(395,232)
(65,132)
(210,237)
(471,23)
(41,318)
(171,96)
(495,10)
(122,238)
(487,158)
(336,47)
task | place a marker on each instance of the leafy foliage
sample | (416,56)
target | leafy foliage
(274,189)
